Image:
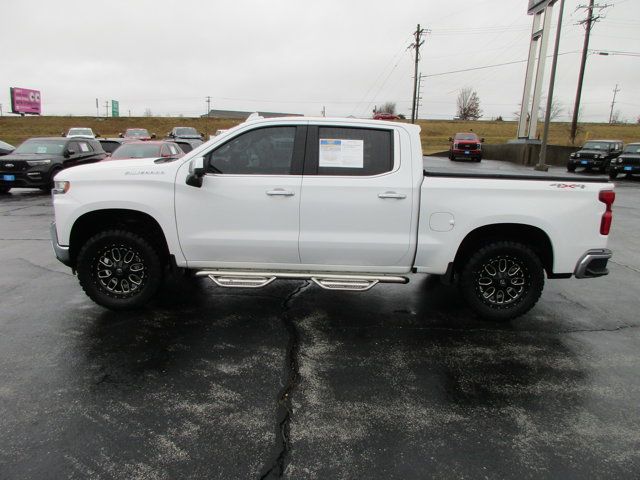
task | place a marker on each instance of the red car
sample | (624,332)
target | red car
(466,145)
(385,116)
(147,149)
(137,134)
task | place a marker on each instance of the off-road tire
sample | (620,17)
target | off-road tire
(515,273)
(613,175)
(119,270)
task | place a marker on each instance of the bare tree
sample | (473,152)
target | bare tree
(616,117)
(556,110)
(387,107)
(468,104)
(148,112)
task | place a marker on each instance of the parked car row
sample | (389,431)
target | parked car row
(607,156)
(36,161)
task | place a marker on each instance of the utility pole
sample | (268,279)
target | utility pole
(208,106)
(588,25)
(418,101)
(419,34)
(0,109)
(541,166)
(324,111)
(613,102)
(97,109)
(106,108)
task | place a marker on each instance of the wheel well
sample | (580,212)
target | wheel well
(97,221)
(533,237)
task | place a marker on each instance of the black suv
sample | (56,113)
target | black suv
(186,135)
(34,163)
(628,162)
(595,154)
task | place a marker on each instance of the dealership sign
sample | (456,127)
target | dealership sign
(537,6)
(24,100)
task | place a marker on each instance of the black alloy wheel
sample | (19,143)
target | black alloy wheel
(502,280)
(119,269)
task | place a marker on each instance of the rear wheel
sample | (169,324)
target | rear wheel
(502,280)
(119,269)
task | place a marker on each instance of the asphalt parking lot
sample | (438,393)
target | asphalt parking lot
(298,382)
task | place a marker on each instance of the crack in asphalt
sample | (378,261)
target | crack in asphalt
(633,269)
(277,466)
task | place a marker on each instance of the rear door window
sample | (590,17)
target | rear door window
(347,151)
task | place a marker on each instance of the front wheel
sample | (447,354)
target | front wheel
(502,280)
(571,168)
(119,270)
(613,175)
(4,190)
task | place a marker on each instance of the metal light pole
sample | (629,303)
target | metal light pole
(547,114)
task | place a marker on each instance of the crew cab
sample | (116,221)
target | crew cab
(465,145)
(36,161)
(344,203)
(595,154)
(627,163)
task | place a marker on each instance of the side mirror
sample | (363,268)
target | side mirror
(121,135)
(63,134)
(153,135)
(69,153)
(201,135)
(196,172)
(450,139)
(482,140)
(97,135)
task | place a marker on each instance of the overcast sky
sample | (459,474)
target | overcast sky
(299,55)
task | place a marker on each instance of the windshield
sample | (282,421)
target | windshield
(50,147)
(187,131)
(596,146)
(633,148)
(80,131)
(137,150)
(466,136)
(137,132)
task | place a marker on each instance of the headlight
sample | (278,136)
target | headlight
(60,187)
(573,155)
(578,155)
(36,163)
(619,160)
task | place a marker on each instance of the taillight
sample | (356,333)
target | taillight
(607,197)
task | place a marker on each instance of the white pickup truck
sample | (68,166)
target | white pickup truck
(345,203)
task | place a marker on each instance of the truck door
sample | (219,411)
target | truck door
(357,199)
(247,211)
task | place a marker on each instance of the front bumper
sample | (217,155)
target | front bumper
(587,162)
(621,168)
(62,252)
(593,263)
(30,179)
(466,153)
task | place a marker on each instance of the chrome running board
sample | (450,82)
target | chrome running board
(328,281)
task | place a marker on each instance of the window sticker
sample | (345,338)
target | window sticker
(41,150)
(84,147)
(341,153)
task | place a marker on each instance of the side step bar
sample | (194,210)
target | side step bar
(328,281)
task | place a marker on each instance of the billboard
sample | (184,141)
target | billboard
(115,108)
(24,100)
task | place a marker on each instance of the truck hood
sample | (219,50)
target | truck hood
(120,169)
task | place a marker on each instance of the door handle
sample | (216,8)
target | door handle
(399,196)
(280,192)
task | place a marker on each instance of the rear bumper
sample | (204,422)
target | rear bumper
(62,253)
(593,263)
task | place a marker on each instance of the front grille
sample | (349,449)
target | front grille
(468,146)
(17,166)
(631,161)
